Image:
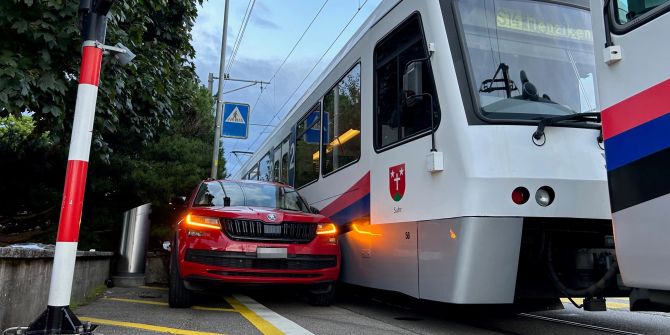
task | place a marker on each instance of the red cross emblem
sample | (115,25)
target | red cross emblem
(397,181)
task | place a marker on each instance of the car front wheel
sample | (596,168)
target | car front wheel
(323,295)
(179,296)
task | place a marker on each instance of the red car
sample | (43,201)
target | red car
(250,232)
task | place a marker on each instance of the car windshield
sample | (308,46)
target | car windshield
(529,59)
(212,193)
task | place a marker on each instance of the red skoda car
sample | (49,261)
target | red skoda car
(251,232)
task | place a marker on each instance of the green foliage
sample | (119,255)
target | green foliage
(153,126)
(17,132)
(39,65)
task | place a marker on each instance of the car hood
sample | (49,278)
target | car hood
(259,214)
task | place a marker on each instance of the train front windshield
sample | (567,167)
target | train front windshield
(529,59)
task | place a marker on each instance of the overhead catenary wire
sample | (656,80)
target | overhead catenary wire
(293,48)
(311,70)
(322,56)
(295,45)
(240,35)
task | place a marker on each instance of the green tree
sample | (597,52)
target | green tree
(153,126)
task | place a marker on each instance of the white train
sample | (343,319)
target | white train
(481,204)
(634,83)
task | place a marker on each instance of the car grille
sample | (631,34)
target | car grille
(288,232)
(243,260)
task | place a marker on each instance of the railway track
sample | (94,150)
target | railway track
(578,324)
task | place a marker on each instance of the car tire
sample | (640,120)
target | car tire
(324,296)
(179,295)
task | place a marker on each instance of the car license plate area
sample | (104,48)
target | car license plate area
(272,253)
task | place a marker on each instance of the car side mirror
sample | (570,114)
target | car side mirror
(178,201)
(314,210)
(226,201)
(412,79)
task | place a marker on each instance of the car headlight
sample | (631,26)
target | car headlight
(202,222)
(326,229)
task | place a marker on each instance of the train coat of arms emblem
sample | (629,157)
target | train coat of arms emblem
(397,181)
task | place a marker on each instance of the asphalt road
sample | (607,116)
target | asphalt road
(285,311)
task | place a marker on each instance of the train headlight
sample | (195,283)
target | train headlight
(544,196)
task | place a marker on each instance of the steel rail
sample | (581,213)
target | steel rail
(577,324)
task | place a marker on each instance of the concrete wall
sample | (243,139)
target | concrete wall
(157,267)
(25,275)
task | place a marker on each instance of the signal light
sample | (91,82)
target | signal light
(198,221)
(326,229)
(520,195)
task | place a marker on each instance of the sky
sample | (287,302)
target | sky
(273,29)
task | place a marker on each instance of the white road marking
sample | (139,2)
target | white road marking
(285,325)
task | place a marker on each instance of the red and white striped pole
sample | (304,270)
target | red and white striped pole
(75,177)
(58,318)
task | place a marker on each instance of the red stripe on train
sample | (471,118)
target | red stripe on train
(73,200)
(353,194)
(89,73)
(636,110)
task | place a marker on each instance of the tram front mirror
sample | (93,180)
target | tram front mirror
(412,79)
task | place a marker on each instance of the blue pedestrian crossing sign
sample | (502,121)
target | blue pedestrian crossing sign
(235,120)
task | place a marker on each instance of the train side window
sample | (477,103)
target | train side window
(284,161)
(253,173)
(265,168)
(629,10)
(276,166)
(395,119)
(342,122)
(308,138)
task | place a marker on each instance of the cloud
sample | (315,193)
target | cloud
(260,17)
(263,22)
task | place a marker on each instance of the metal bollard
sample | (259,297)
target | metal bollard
(133,247)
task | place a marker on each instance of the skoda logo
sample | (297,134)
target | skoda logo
(272,217)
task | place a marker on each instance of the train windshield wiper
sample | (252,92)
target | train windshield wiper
(577,117)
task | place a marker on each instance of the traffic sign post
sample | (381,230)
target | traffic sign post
(235,120)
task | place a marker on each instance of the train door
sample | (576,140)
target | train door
(634,84)
(399,179)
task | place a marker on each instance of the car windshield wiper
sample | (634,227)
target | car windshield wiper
(577,117)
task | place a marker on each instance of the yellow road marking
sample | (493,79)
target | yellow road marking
(610,304)
(261,324)
(155,288)
(159,329)
(160,303)
(617,305)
